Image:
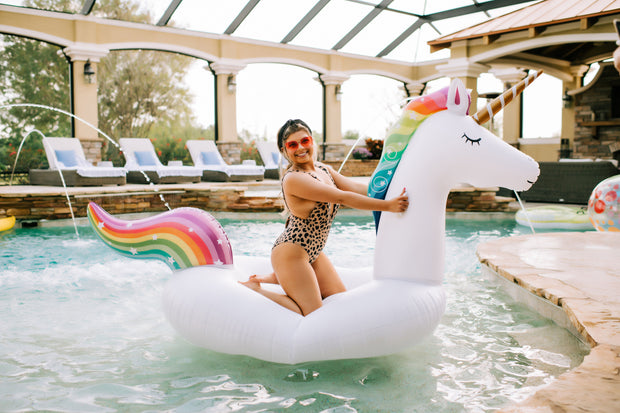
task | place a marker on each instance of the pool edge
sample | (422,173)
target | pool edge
(591,386)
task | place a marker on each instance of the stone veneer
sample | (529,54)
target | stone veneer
(49,204)
(597,127)
(53,205)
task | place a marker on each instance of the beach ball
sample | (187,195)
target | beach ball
(604,205)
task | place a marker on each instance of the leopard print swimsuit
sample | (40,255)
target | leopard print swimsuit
(310,233)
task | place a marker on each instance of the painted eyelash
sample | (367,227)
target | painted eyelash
(470,140)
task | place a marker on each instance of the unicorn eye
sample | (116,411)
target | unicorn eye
(470,140)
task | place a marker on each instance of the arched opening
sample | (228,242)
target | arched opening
(270,93)
(370,105)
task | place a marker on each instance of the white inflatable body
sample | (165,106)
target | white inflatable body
(210,309)
(385,309)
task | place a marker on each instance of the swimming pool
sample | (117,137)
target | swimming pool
(83,331)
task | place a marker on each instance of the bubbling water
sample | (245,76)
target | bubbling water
(112,141)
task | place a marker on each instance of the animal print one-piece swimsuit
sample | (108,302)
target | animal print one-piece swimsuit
(310,233)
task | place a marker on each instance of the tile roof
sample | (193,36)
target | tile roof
(541,14)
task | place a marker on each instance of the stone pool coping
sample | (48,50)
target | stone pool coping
(573,278)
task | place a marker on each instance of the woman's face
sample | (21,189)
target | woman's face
(299,146)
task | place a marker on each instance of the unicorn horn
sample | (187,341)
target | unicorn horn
(485,114)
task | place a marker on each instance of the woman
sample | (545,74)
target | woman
(312,192)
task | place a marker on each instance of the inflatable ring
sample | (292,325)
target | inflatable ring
(7,223)
(555,217)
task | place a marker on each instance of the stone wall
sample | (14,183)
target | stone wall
(355,167)
(53,205)
(597,122)
(472,199)
(34,207)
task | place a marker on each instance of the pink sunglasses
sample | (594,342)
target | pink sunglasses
(306,142)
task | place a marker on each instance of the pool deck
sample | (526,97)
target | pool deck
(574,279)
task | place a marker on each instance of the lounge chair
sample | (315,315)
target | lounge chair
(140,158)
(272,158)
(67,156)
(207,157)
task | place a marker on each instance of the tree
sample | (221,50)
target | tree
(136,88)
(140,88)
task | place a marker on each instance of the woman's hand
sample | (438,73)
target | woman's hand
(400,203)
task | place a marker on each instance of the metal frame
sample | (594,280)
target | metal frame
(383,6)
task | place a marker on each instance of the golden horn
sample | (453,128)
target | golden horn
(497,104)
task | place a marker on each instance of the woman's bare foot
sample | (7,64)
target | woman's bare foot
(252,284)
(269,279)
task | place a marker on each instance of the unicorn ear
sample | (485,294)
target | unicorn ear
(458,99)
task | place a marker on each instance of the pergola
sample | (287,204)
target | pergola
(297,34)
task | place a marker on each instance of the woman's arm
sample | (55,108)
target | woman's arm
(347,184)
(305,187)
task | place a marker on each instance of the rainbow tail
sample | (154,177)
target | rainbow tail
(182,238)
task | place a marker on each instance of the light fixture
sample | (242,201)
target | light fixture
(338,92)
(89,72)
(567,99)
(232,84)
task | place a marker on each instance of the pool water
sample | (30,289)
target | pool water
(83,331)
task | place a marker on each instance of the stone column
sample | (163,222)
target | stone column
(468,72)
(85,97)
(226,99)
(511,127)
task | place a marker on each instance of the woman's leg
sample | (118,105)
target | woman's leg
(327,277)
(296,276)
(284,300)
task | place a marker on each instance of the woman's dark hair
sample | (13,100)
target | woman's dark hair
(289,127)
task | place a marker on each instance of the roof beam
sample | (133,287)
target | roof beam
(446,14)
(408,32)
(172,7)
(362,23)
(305,20)
(241,16)
(87,7)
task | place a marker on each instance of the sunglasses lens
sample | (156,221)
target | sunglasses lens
(307,141)
(292,145)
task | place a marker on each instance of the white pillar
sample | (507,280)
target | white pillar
(511,127)
(226,99)
(84,96)
(332,84)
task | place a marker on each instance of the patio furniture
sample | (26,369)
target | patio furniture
(272,158)
(66,155)
(141,159)
(207,157)
(569,181)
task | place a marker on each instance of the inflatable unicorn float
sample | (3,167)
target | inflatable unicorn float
(433,147)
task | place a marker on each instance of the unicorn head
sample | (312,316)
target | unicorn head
(446,149)
(472,154)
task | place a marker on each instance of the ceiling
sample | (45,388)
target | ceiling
(393,29)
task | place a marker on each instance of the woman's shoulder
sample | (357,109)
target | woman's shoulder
(324,166)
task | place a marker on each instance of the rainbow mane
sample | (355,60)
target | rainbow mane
(414,113)
(182,238)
